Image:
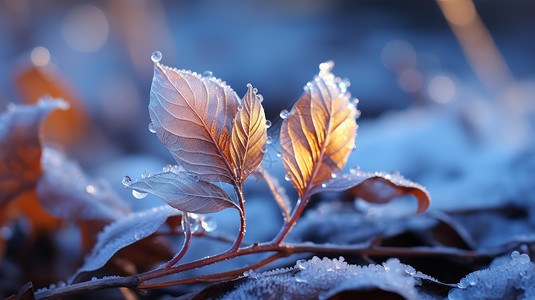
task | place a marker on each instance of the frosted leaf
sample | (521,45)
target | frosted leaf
(20,146)
(377,187)
(185,192)
(505,278)
(63,191)
(325,278)
(125,232)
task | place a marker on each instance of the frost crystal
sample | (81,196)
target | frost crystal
(503,279)
(324,278)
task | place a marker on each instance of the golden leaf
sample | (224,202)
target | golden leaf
(249,136)
(192,116)
(319,133)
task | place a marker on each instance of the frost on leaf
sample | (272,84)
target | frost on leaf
(249,135)
(505,277)
(332,279)
(20,147)
(192,116)
(377,187)
(123,233)
(66,193)
(185,192)
(319,133)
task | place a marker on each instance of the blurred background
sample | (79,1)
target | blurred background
(445,87)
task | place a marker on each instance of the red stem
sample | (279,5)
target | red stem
(187,239)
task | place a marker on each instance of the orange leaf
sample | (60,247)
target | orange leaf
(377,187)
(319,133)
(249,136)
(20,147)
(192,116)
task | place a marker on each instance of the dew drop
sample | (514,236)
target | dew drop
(260,98)
(195,177)
(287,177)
(90,189)
(208,74)
(209,224)
(255,90)
(139,195)
(145,174)
(354,169)
(269,140)
(151,128)
(156,56)
(323,185)
(333,175)
(268,123)
(166,168)
(279,154)
(127,181)
(524,258)
(194,222)
(240,107)
(264,148)
(284,114)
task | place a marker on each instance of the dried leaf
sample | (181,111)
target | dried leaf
(319,133)
(66,193)
(278,192)
(124,232)
(192,116)
(378,187)
(249,136)
(20,146)
(185,192)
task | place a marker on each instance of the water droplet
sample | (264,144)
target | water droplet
(127,181)
(90,189)
(333,175)
(194,222)
(240,107)
(209,224)
(208,74)
(524,258)
(145,174)
(260,98)
(354,169)
(255,90)
(264,148)
(269,140)
(287,177)
(268,123)
(166,168)
(284,114)
(151,128)
(279,154)
(174,169)
(323,185)
(156,56)
(195,177)
(139,195)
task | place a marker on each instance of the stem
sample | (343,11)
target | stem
(241,200)
(129,282)
(211,277)
(287,226)
(187,239)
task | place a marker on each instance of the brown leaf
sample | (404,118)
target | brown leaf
(377,187)
(32,83)
(319,133)
(185,192)
(20,147)
(249,136)
(192,116)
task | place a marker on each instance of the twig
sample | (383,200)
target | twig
(187,239)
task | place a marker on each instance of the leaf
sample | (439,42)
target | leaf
(278,191)
(249,136)
(319,133)
(185,192)
(20,146)
(124,232)
(66,193)
(192,116)
(377,187)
